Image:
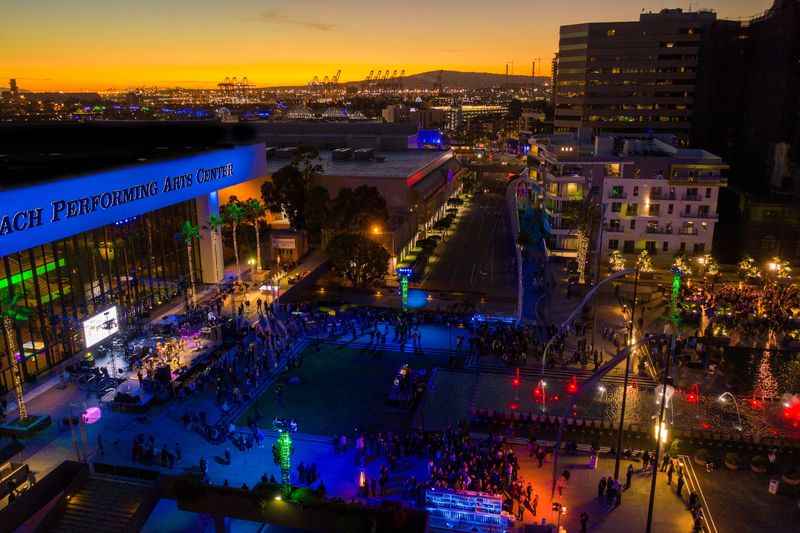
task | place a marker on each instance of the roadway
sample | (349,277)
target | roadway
(478,255)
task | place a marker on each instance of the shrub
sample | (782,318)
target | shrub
(702,456)
(759,464)
(732,460)
(792,476)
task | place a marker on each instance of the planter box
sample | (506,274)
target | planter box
(790,481)
(33,425)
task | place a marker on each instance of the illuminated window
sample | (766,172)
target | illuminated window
(611,33)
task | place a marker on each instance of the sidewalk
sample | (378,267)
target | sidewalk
(580,495)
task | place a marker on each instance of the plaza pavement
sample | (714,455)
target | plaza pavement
(580,495)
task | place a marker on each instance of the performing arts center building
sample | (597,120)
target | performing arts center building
(83,232)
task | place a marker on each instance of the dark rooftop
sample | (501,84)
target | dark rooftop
(39,152)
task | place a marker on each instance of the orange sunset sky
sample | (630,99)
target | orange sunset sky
(110,44)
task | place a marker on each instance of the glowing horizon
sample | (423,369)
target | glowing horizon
(89,45)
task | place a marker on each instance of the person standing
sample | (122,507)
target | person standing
(628,477)
(601,488)
(680,484)
(670,471)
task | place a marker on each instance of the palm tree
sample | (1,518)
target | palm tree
(215,224)
(234,214)
(190,233)
(15,313)
(254,212)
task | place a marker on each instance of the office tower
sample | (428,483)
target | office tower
(635,77)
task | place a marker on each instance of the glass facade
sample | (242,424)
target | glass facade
(138,263)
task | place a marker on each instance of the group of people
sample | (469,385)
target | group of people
(512,344)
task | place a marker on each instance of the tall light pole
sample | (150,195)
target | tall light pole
(589,295)
(658,435)
(627,373)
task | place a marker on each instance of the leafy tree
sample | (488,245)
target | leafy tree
(13,312)
(190,233)
(254,211)
(317,210)
(215,225)
(233,213)
(291,185)
(359,259)
(355,210)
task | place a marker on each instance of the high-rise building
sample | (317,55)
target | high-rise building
(634,77)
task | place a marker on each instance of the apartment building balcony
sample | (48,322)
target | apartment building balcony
(704,216)
(687,231)
(662,196)
(566,178)
(658,230)
(617,195)
(613,229)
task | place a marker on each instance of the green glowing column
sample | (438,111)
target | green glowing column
(285,460)
(404,273)
(676,291)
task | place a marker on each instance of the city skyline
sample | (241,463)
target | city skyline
(94,46)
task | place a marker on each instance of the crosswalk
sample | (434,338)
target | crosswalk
(558,374)
(495,366)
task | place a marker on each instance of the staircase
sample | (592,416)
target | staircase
(105,505)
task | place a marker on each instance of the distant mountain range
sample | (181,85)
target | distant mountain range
(460,80)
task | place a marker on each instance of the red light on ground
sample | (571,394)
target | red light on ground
(792,414)
(693,396)
(515,382)
(705,425)
(537,392)
(555,397)
(756,404)
(513,406)
(572,386)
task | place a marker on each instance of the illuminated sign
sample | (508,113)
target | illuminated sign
(47,212)
(283,243)
(100,327)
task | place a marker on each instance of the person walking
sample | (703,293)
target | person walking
(665,462)
(680,484)
(584,521)
(670,471)
(601,488)
(628,477)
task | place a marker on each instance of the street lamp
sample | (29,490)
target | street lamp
(661,432)
(723,398)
